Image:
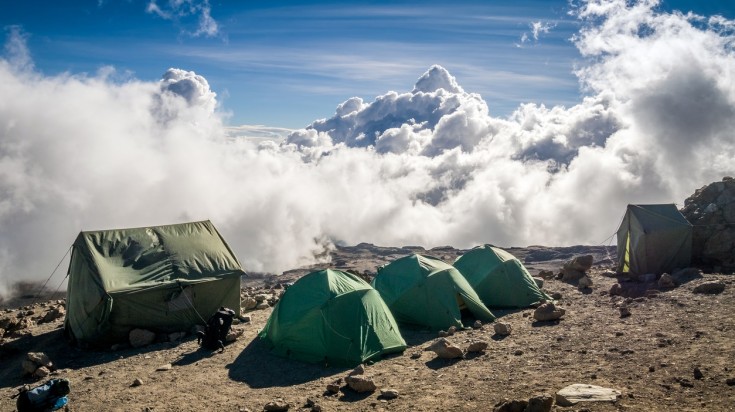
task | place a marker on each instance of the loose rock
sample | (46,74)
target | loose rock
(584,282)
(710,288)
(579,392)
(361,383)
(477,324)
(616,289)
(137,382)
(388,394)
(548,311)
(278,405)
(502,329)
(666,281)
(624,312)
(477,346)
(445,349)
(141,337)
(511,406)
(540,403)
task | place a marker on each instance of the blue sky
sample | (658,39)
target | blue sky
(286,64)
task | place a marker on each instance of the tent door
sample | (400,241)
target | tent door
(626,261)
(460,302)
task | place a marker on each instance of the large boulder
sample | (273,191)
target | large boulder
(141,337)
(711,209)
(576,268)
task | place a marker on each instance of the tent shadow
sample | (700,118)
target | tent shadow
(60,352)
(258,368)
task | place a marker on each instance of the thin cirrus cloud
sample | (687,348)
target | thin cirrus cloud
(426,163)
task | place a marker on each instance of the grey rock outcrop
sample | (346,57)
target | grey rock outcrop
(711,209)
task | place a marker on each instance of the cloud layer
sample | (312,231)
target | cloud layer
(428,166)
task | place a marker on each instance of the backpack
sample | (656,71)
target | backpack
(50,396)
(216,330)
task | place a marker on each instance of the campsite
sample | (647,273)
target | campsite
(657,341)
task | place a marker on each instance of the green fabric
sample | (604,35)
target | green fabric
(164,278)
(425,291)
(499,278)
(333,317)
(654,238)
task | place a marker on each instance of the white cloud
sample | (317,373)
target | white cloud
(181,11)
(430,166)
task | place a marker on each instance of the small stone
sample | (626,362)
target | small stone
(445,349)
(730,382)
(624,312)
(548,311)
(234,334)
(698,373)
(477,346)
(540,403)
(616,289)
(443,334)
(137,382)
(39,358)
(666,281)
(539,282)
(262,305)
(359,370)
(42,372)
(584,282)
(141,337)
(29,367)
(518,352)
(502,329)
(511,406)
(388,394)
(361,383)
(556,295)
(477,324)
(709,288)
(333,388)
(278,405)
(166,367)
(415,355)
(452,330)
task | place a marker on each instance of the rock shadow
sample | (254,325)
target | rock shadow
(258,368)
(439,363)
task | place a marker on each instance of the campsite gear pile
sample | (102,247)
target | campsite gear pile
(50,396)
(215,333)
(159,278)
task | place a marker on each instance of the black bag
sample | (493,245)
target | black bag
(217,328)
(47,397)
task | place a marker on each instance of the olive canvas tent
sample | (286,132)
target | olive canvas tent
(161,278)
(332,317)
(499,278)
(426,291)
(653,239)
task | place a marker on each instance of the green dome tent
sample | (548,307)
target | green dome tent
(426,291)
(653,239)
(332,316)
(162,278)
(499,278)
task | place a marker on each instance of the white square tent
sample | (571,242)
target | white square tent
(653,239)
(161,278)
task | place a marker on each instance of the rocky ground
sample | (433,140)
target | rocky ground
(668,347)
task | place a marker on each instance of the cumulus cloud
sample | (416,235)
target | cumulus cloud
(181,11)
(428,166)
